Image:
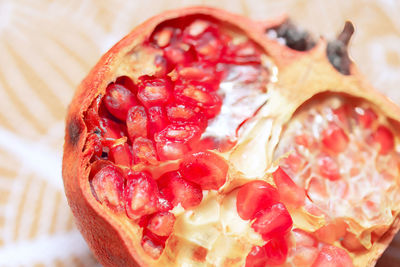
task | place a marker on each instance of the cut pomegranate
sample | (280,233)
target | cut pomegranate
(255,197)
(178,190)
(108,186)
(141,195)
(205,169)
(119,100)
(177,153)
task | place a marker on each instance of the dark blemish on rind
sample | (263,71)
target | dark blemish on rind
(73,131)
(293,37)
(337,50)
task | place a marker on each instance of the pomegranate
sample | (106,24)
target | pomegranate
(205,138)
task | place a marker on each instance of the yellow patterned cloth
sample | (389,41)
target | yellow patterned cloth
(47,47)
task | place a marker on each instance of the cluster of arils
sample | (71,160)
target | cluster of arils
(165,117)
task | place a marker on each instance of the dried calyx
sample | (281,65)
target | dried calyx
(204,147)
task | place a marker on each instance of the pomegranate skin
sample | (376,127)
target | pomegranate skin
(113,240)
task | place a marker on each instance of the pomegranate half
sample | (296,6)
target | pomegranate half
(206,139)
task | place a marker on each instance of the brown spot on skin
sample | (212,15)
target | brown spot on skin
(74,131)
(199,254)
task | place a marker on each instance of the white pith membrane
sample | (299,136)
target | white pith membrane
(363,200)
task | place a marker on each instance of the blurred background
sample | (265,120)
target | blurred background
(47,47)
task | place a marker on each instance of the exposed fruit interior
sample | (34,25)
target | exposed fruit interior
(159,134)
(180,98)
(342,165)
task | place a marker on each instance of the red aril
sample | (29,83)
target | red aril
(206,169)
(144,151)
(243,53)
(178,133)
(111,129)
(383,137)
(152,244)
(157,119)
(108,186)
(273,222)
(328,168)
(304,239)
(167,150)
(119,100)
(179,53)
(334,138)
(201,72)
(304,256)
(199,96)
(161,223)
(331,256)
(271,254)
(141,195)
(183,114)
(254,197)
(153,91)
(178,190)
(121,154)
(365,117)
(289,193)
(136,122)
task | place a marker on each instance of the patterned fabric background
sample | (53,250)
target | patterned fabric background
(47,47)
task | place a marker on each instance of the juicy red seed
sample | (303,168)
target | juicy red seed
(183,114)
(254,197)
(303,238)
(273,222)
(201,72)
(178,190)
(179,55)
(157,119)
(271,254)
(127,82)
(144,151)
(334,138)
(154,91)
(257,257)
(152,244)
(111,129)
(178,133)
(161,223)
(290,193)
(167,150)
(119,100)
(141,195)
(206,169)
(328,168)
(108,186)
(197,95)
(136,122)
(94,142)
(121,155)
(384,137)
(331,256)
(366,117)
(243,53)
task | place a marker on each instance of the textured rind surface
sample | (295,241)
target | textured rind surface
(301,76)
